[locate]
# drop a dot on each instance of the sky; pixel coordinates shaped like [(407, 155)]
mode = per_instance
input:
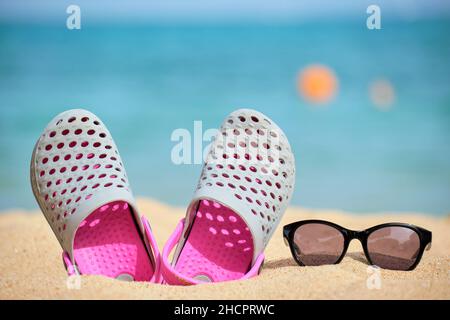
[(216, 10)]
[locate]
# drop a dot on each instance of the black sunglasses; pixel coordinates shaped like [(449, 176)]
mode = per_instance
[(395, 246)]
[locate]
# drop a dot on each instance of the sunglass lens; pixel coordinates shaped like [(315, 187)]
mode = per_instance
[(317, 244), (394, 248)]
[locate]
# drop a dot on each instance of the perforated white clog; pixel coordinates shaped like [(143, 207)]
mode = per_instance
[(244, 190), (80, 184)]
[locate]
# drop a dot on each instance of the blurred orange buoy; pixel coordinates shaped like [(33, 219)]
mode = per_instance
[(382, 94), (317, 83)]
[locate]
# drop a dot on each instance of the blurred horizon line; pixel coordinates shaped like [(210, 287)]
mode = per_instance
[(341, 21)]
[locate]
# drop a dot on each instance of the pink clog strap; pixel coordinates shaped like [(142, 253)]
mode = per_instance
[(153, 250), (172, 277)]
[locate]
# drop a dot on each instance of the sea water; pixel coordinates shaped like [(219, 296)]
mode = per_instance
[(145, 81)]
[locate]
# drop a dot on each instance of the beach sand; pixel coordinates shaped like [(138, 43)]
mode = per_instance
[(31, 266)]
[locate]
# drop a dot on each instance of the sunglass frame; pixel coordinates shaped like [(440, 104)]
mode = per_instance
[(425, 238)]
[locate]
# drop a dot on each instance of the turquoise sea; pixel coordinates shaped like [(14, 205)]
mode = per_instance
[(144, 81)]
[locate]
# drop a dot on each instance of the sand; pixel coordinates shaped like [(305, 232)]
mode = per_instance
[(31, 267)]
